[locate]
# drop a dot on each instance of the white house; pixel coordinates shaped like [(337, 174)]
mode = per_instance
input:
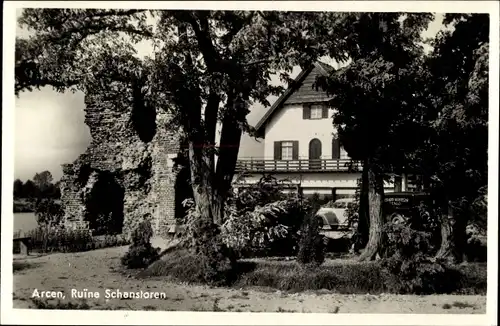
[(300, 144)]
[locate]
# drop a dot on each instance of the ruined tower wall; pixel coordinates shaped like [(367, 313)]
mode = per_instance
[(139, 161)]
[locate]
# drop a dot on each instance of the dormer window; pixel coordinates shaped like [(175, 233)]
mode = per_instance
[(315, 111)]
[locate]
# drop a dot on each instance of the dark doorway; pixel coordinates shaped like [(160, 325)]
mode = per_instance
[(183, 190), (104, 206), (315, 154)]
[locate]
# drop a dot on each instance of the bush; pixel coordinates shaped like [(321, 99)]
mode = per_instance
[(475, 250), (270, 229), (263, 220), (266, 230), (186, 265), (140, 256), (312, 243), (48, 212), (217, 260), (419, 275), (408, 260), (265, 191), (141, 253), (404, 241)]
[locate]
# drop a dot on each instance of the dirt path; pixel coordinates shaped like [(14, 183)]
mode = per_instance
[(96, 271)]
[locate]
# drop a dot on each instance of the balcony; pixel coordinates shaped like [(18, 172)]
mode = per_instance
[(299, 165)]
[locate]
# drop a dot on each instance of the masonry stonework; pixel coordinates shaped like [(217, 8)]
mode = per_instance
[(128, 170)]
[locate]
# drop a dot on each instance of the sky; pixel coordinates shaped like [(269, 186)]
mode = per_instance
[(50, 128)]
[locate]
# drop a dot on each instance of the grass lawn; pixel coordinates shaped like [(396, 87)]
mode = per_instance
[(99, 270)]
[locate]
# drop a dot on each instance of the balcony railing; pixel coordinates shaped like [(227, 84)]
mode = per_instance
[(299, 165)]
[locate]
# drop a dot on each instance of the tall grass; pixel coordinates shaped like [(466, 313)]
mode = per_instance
[(45, 239)]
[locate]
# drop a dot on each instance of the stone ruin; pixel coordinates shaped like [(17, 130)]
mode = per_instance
[(126, 173)]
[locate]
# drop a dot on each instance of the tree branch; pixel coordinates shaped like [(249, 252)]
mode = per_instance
[(189, 97), (42, 83), (122, 12), (27, 76), (240, 25), (210, 55)]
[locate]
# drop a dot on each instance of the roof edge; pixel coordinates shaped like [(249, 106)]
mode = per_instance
[(283, 97), (288, 92)]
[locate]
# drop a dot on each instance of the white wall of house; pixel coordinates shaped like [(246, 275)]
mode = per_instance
[(288, 125)]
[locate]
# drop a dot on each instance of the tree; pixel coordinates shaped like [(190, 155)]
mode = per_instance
[(457, 156), (55, 190), (29, 189), (18, 189), (43, 181), (378, 110), (208, 68)]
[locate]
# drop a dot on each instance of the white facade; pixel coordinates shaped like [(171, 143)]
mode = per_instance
[(288, 124)]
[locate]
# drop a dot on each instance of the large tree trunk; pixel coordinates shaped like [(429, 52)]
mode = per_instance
[(377, 219), (228, 155), (363, 216), (453, 236), (201, 181), (211, 188)]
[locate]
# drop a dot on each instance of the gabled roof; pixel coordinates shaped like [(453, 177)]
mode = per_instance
[(300, 91)]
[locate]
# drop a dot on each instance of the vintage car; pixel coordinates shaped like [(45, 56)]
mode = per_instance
[(334, 215)]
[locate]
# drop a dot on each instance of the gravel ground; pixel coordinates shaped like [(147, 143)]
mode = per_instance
[(98, 271)]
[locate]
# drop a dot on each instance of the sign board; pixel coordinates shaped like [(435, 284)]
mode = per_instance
[(397, 201)]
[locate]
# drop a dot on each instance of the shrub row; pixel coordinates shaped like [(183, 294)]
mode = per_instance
[(60, 239), (346, 277), (361, 278)]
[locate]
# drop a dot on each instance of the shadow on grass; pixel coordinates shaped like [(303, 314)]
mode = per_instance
[(18, 266)]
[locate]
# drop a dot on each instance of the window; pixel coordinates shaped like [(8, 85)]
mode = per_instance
[(316, 111), (287, 150)]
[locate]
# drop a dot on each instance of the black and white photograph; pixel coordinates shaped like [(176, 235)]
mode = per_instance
[(315, 161)]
